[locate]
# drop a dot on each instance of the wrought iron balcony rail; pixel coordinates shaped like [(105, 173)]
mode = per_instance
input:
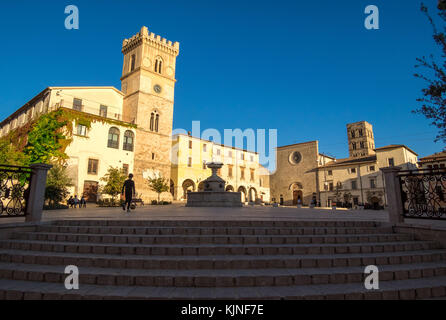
[(14, 190), (423, 193)]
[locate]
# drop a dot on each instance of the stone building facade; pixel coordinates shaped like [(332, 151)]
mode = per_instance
[(433, 161), (296, 178)]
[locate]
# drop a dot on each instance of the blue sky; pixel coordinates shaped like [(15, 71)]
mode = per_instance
[(305, 68)]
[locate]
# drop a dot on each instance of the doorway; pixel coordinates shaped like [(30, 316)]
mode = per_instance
[(91, 191), (297, 197)]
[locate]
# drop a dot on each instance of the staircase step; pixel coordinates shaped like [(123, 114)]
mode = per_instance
[(218, 278), (216, 249), (398, 289), (219, 261), (207, 239), (217, 223), (194, 230)]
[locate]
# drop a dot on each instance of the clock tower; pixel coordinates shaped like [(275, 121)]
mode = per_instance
[(148, 82)]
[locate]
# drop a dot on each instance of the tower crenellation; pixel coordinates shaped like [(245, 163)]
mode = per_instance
[(153, 39)]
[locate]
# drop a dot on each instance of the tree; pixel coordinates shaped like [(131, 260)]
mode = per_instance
[(57, 184), (338, 193), (114, 180), (433, 101), (347, 197), (159, 185)]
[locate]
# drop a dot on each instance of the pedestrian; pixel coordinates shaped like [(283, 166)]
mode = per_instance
[(76, 201), (70, 202), (128, 191), (83, 202)]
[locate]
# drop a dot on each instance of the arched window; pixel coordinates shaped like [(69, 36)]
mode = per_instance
[(154, 121), (157, 120), (129, 137), (113, 138), (158, 65)]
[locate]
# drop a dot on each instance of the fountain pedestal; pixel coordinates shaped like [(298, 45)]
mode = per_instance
[(214, 194)]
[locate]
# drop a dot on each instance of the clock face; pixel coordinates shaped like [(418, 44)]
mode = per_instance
[(157, 88), (295, 157)]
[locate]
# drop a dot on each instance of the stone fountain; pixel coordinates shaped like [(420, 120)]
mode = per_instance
[(214, 194)]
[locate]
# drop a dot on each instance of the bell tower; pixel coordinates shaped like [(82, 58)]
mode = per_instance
[(361, 142), (148, 83)]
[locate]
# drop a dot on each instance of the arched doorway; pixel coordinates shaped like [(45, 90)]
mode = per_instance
[(375, 203), (252, 195), (188, 186), (297, 197), (229, 188), (242, 190)]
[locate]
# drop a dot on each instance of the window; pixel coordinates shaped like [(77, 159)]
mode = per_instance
[(230, 171), (230, 154), (242, 156), (189, 162), (252, 158), (391, 162), (372, 168), (355, 201), (128, 140), (242, 173), (204, 147), (330, 186), (354, 185), (133, 62), (204, 164), (360, 132), (261, 182), (158, 65), (113, 138), (103, 111), (154, 121), (125, 168), (372, 183), (352, 133), (361, 145), (330, 172), (93, 166), (354, 145), (252, 175), (81, 130), (218, 152), (153, 156), (77, 104), (352, 170), (435, 166), (190, 144), (442, 165)]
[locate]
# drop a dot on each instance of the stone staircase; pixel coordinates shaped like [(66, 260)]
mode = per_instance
[(219, 260)]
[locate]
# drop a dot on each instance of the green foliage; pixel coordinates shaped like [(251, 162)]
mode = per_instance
[(114, 180), (159, 185), (10, 155), (45, 140), (57, 184), (433, 100)]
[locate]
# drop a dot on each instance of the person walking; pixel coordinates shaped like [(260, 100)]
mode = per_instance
[(70, 202), (128, 190), (76, 201)]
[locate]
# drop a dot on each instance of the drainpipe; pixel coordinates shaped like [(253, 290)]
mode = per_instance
[(360, 183)]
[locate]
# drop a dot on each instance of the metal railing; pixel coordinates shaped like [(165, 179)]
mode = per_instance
[(423, 193), (14, 190)]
